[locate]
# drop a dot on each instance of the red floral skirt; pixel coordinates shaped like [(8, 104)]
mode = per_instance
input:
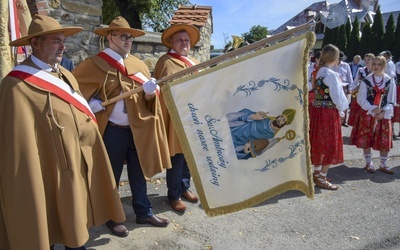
[(370, 134), (326, 136), (311, 97), (355, 110), (396, 110)]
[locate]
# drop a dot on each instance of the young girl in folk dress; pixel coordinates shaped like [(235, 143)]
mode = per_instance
[(376, 96), (396, 114), (325, 122), (362, 72)]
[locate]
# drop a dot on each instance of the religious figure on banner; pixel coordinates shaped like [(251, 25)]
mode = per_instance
[(256, 147), (249, 127)]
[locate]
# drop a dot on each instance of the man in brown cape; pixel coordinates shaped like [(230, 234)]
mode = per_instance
[(55, 177), (132, 128), (178, 39)]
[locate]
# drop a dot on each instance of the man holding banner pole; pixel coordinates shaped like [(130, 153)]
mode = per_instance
[(55, 176), (132, 128), (178, 39)]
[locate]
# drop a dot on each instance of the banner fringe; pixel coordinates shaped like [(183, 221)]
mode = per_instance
[(309, 45), (280, 189)]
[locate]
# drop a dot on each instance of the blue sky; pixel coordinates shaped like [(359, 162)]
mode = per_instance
[(235, 17)]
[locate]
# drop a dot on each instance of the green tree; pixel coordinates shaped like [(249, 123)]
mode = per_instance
[(377, 32), (365, 41), (388, 37), (150, 13), (255, 33), (396, 40), (342, 38), (334, 36), (327, 37), (348, 30), (354, 41)]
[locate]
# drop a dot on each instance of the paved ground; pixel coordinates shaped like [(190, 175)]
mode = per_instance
[(363, 214)]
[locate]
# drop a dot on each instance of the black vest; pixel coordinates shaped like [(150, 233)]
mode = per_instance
[(371, 93), (322, 95)]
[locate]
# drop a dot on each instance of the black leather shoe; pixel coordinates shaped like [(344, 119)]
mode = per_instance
[(117, 228), (153, 220)]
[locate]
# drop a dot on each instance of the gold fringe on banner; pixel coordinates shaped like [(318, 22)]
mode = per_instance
[(310, 44), (308, 190)]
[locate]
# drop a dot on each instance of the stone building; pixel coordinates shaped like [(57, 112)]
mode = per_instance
[(88, 15)]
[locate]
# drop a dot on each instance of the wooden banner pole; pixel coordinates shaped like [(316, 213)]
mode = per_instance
[(254, 46)]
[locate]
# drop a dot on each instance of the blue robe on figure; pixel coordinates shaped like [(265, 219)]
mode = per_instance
[(243, 130)]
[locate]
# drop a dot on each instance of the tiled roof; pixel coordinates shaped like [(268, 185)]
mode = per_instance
[(194, 15)]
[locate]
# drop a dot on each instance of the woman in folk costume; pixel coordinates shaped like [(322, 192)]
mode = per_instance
[(376, 96), (312, 78), (179, 39), (56, 179), (396, 112), (362, 72), (132, 128), (325, 118)]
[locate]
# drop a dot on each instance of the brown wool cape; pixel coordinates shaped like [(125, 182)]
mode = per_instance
[(54, 184), (168, 65), (99, 79)]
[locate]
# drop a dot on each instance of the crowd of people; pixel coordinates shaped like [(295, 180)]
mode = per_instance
[(362, 94)]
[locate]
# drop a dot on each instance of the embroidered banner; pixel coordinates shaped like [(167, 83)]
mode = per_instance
[(243, 126)]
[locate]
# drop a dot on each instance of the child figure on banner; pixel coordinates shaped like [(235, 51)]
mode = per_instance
[(362, 72), (325, 118), (376, 96)]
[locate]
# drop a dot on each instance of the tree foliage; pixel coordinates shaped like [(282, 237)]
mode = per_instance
[(154, 14), (255, 33), (354, 41), (396, 40), (342, 38), (377, 32), (348, 29), (365, 42), (334, 34), (327, 37), (388, 37), (373, 39)]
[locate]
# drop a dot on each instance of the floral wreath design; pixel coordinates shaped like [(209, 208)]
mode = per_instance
[(275, 162), (251, 87), (286, 86)]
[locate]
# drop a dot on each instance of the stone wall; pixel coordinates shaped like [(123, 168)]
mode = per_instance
[(88, 15)]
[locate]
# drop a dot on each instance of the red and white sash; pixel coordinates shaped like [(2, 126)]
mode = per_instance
[(184, 59), (52, 84), (117, 62)]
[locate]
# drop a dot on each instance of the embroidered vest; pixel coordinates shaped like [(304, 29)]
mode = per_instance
[(371, 92), (322, 96)]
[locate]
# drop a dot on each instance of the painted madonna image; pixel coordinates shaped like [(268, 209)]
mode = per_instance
[(254, 132)]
